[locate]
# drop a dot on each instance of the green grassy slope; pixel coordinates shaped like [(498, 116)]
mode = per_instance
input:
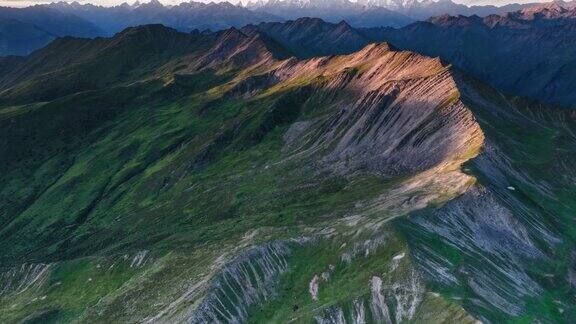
[(166, 197)]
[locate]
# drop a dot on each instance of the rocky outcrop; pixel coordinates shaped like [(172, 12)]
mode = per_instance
[(248, 280), (21, 278), (486, 232), (395, 301)]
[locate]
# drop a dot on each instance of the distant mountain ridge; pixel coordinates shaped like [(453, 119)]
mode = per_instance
[(88, 20), (529, 52), (23, 30), (185, 17), (18, 38), (53, 21), (308, 37), (334, 10)]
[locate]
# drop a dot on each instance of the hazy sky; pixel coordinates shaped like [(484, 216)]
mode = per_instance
[(23, 3)]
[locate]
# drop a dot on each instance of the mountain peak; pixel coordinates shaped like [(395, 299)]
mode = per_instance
[(308, 37), (230, 35), (152, 4), (343, 23), (234, 48), (374, 49), (547, 10)]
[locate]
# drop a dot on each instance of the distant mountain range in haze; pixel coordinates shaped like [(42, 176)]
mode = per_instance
[(23, 30), (396, 11), (183, 17)]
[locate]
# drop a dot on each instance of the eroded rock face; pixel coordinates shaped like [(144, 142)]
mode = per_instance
[(385, 112), (485, 231), (21, 278), (494, 247), (378, 305), (394, 301), (395, 114), (248, 280)]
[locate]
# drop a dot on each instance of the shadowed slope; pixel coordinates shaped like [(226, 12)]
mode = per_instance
[(307, 37), (135, 54), (18, 38)]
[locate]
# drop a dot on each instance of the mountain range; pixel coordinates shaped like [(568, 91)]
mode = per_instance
[(40, 24), (185, 17), (333, 11), (527, 52), (242, 176), (401, 10), (23, 30)]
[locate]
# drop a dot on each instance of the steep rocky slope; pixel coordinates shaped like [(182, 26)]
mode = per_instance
[(218, 179)]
